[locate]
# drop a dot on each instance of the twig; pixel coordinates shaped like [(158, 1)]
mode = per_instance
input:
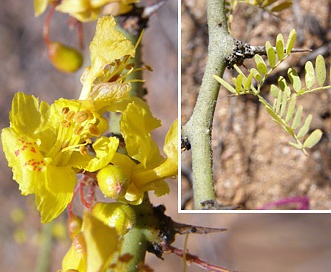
[(244, 51)]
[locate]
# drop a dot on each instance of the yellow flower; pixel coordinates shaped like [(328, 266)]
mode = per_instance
[(110, 53), (89, 10), (47, 145), (149, 174)]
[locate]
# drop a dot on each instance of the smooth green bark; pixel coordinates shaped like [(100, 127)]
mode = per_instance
[(198, 129)]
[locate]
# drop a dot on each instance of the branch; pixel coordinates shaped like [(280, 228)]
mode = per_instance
[(198, 129)]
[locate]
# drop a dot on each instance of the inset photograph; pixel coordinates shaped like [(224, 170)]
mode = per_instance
[(255, 105)]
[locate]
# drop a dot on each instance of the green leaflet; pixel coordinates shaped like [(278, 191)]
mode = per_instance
[(260, 64), (266, 3), (270, 54), (313, 138), (305, 128), (238, 84), (309, 74), (290, 41), (282, 83), (286, 95), (280, 46), (282, 6), (295, 79), (256, 74), (291, 108), (225, 84), (297, 118), (274, 90), (320, 70)]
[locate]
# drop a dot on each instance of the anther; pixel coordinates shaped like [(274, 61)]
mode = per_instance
[(81, 116)]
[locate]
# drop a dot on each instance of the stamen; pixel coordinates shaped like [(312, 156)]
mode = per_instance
[(83, 150), (93, 130)]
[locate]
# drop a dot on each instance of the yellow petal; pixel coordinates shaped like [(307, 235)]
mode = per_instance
[(55, 192), (39, 6), (136, 125), (24, 158), (107, 45), (105, 149), (76, 256), (27, 115), (101, 242)]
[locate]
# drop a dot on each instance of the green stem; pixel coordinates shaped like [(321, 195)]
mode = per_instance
[(135, 241), (199, 128), (43, 262)]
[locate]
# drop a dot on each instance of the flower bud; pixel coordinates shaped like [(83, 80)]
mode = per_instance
[(112, 181), (64, 58), (116, 215), (74, 226)]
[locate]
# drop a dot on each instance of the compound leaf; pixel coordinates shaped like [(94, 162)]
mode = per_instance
[(320, 70), (313, 138)]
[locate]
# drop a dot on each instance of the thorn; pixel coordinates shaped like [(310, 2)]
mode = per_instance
[(150, 10)]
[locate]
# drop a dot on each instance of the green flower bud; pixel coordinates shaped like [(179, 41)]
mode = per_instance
[(64, 58), (116, 215), (112, 181)]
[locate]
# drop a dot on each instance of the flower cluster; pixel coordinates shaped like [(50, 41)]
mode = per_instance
[(47, 145)]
